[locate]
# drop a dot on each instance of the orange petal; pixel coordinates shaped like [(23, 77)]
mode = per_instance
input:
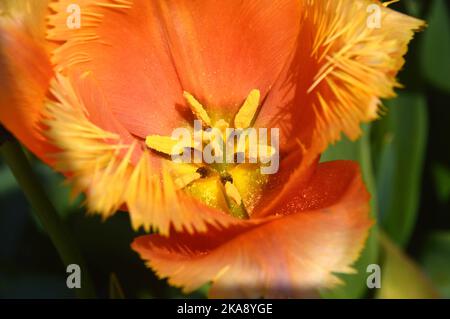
[(310, 187), (339, 72), (30, 14), (295, 171), (97, 103), (289, 255), (122, 45), (225, 48), (25, 73)]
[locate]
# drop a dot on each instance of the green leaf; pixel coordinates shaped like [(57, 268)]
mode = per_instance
[(58, 190), (355, 285), (58, 231), (401, 138), (414, 7), (7, 181), (436, 261), (401, 278), (441, 176), (435, 47)]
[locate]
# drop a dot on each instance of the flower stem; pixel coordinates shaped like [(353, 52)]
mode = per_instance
[(57, 230)]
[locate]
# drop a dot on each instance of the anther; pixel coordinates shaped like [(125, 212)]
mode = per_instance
[(203, 171), (226, 177)]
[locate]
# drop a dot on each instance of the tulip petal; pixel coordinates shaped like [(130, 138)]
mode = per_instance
[(288, 255), (121, 43), (25, 73), (223, 49), (295, 172), (341, 68), (30, 14)]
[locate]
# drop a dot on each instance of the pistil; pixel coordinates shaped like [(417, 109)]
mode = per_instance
[(168, 146)]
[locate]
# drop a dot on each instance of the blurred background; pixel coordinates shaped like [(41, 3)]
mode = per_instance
[(405, 158)]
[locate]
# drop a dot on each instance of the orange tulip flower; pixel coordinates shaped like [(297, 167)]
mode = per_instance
[(95, 89)]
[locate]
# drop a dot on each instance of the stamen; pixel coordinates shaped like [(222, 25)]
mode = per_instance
[(195, 179), (185, 180), (390, 2), (225, 177), (247, 112), (233, 193), (203, 171), (164, 144), (197, 108), (222, 125)]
